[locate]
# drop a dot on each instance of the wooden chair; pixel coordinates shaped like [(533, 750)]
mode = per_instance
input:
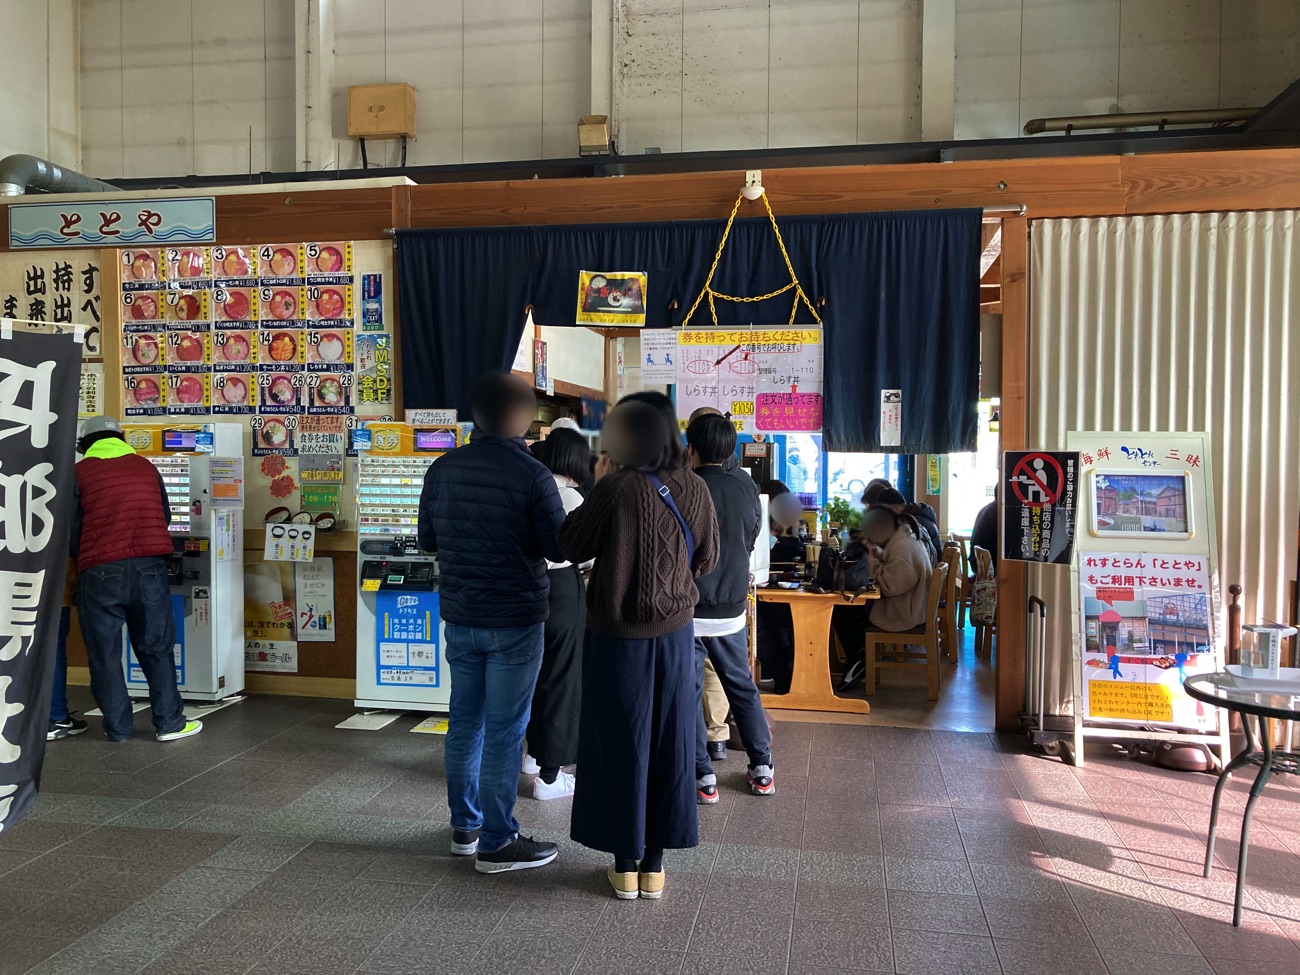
[(964, 581), (926, 637), (986, 628), (949, 637)]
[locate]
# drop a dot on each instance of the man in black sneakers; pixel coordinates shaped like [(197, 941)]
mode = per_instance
[(720, 618), (491, 510)]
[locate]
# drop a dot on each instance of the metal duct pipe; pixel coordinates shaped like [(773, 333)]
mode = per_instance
[(21, 174), (1131, 120)]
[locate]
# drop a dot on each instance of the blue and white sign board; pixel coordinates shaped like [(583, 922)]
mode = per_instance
[(406, 639), (114, 222)]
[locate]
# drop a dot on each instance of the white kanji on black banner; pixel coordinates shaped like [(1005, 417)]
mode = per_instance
[(38, 433)]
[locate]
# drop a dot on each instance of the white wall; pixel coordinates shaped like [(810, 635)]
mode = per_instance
[(38, 114), (508, 79), (173, 87), (1023, 59), (696, 75), (494, 79)]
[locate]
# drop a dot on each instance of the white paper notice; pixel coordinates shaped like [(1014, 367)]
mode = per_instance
[(891, 417), (431, 418), (314, 583), (289, 543), (658, 356)]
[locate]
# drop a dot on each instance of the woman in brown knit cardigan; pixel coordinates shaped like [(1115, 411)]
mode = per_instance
[(649, 524)]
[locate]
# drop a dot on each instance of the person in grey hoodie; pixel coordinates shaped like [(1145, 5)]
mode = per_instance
[(900, 568)]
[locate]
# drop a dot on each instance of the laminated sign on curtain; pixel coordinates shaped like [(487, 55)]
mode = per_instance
[(1040, 493), (38, 432), (611, 298), (768, 379)]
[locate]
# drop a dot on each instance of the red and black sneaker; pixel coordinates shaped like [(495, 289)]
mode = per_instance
[(706, 790), (762, 780)]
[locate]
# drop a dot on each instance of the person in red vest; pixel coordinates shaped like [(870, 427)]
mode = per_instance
[(121, 544)]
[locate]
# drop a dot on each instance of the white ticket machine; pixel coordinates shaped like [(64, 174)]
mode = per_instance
[(401, 664), (202, 467)]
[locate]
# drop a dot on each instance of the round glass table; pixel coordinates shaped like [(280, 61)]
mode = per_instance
[(1226, 691)]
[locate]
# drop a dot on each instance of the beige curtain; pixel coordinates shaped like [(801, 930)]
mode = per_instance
[(1186, 322)]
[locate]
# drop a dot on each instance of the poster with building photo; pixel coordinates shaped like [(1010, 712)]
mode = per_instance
[(1146, 627), (38, 432)]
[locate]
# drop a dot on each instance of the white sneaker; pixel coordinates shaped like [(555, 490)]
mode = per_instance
[(561, 787), (530, 765)]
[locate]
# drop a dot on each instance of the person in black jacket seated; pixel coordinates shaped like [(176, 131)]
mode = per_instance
[(491, 511), (985, 533), (720, 617)]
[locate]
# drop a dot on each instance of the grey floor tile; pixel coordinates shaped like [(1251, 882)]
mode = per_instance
[(601, 960), (848, 871), (1258, 938), (744, 895), (763, 935), (162, 813), (553, 956), (841, 944), (173, 963), (404, 868), (19, 954), (325, 945), (40, 837), (128, 843), (13, 859), (256, 852), (1052, 922), (1156, 931), (87, 810), (752, 861), (928, 876), (835, 902), (726, 960), (946, 913), (1030, 884), (910, 784), (932, 953), (1148, 963), (1037, 958), (84, 956)]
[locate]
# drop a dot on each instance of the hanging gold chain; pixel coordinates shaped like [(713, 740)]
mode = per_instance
[(794, 285)]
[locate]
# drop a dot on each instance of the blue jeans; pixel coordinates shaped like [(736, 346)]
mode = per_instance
[(59, 699), (730, 656), (134, 593), (493, 674)]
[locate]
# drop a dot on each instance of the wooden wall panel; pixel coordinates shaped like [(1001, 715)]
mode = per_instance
[(325, 214), (1261, 179), (1009, 686), (1048, 187)]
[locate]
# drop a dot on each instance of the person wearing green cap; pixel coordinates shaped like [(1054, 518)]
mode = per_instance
[(121, 544)]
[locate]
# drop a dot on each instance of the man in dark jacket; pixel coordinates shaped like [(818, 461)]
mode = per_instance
[(490, 510), (121, 544), (720, 617)]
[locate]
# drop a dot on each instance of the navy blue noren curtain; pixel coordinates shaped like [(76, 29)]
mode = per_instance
[(900, 290)]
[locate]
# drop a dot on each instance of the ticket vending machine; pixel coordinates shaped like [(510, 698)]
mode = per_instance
[(202, 468), (400, 657)]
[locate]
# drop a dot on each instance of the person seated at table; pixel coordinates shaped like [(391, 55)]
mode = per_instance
[(985, 533), (775, 625), (922, 514), (900, 568)]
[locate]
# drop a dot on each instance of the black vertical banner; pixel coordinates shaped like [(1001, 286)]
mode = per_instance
[(38, 432)]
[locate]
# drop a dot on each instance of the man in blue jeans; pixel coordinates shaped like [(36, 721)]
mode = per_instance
[(121, 543), (491, 510), (721, 633)]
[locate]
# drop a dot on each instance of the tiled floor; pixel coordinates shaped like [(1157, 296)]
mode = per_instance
[(273, 843)]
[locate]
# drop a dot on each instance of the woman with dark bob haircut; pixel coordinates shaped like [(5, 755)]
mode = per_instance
[(553, 726), (649, 524)]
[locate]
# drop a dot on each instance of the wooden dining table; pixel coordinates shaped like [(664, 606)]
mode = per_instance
[(811, 688)]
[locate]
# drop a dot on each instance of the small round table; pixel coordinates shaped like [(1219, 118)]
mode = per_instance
[(1225, 691)]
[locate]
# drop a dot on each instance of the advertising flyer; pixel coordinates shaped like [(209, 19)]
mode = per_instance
[(315, 601), (1146, 619)]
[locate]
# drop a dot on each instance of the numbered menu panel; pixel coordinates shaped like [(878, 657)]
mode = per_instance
[(262, 331), (389, 494)]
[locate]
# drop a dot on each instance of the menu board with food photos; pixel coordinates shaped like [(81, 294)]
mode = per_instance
[(262, 332)]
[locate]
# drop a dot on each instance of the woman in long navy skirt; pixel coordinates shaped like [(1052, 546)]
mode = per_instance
[(649, 524)]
